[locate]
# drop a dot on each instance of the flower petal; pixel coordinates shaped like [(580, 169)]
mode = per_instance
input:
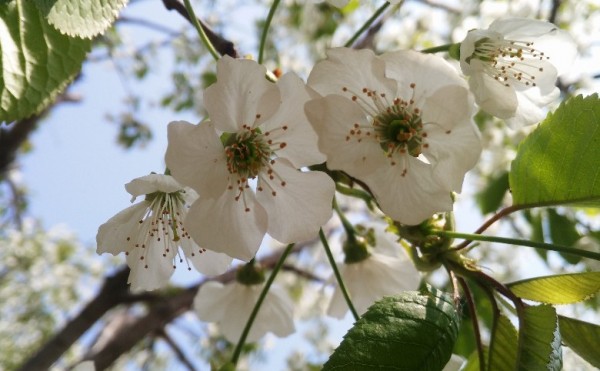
[(152, 183), (223, 225), (348, 71), (299, 208), (211, 299), (492, 96), (205, 261), (196, 158), (275, 315), (333, 118), (112, 236), (299, 136), (150, 270), (411, 198), (241, 96)]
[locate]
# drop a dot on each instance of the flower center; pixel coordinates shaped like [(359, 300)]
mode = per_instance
[(508, 61), (399, 130), (247, 152)]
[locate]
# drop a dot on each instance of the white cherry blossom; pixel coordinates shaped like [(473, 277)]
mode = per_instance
[(244, 163), (513, 66), (230, 306), (378, 274), (150, 233), (400, 122)]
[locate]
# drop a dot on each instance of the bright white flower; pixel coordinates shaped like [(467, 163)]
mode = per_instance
[(151, 231), (230, 307), (513, 66), (267, 138), (375, 276), (400, 122)]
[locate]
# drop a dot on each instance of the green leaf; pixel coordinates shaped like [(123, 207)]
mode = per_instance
[(37, 61), (411, 331), (558, 162), (539, 340), (490, 198), (582, 338), (563, 232), (84, 19), (558, 289), (503, 346)]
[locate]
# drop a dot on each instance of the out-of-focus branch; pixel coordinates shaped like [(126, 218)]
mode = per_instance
[(182, 358), (222, 45), (554, 11), (115, 287)]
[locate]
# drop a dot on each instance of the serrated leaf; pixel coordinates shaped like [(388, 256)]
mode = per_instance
[(539, 340), (490, 198), (411, 331), (503, 346), (472, 363), (77, 18), (558, 289), (37, 61), (558, 162), (582, 337)]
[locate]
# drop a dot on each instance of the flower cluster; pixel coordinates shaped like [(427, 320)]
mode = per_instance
[(399, 124)]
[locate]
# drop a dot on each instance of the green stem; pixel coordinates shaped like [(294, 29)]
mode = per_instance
[(353, 192), (337, 274), (200, 30), (238, 349), (265, 31), (514, 241), (367, 24), (499, 215), (345, 222), (437, 49)]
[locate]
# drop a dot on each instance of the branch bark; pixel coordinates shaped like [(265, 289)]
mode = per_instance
[(222, 45)]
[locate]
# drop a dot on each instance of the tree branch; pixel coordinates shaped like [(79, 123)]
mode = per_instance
[(222, 45), (115, 287)]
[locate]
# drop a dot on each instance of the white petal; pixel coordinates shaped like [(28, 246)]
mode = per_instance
[(275, 315), (333, 117), (205, 261), (223, 224), (522, 29), (211, 300), (152, 183), (492, 96), (300, 138), (427, 71), (454, 143), (196, 157), (298, 209), (154, 270), (454, 364), (112, 235), (531, 107), (412, 198), (350, 69), (240, 94)]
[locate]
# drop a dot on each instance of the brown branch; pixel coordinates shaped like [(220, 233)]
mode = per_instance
[(182, 357), (115, 287), (222, 45), (554, 11)]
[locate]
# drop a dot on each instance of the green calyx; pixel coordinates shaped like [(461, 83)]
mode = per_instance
[(356, 249), (250, 274)]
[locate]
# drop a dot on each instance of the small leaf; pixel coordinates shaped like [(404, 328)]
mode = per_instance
[(411, 331), (490, 198), (582, 338), (503, 346), (84, 19), (37, 61), (558, 289), (539, 340), (558, 162)]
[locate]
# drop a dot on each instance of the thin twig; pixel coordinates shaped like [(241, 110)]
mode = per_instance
[(182, 357), (473, 312)]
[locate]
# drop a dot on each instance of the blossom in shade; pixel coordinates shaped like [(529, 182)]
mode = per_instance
[(151, 232), (245, 162), (230, 306), (400, 122), (370, 273), (513, 66)]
